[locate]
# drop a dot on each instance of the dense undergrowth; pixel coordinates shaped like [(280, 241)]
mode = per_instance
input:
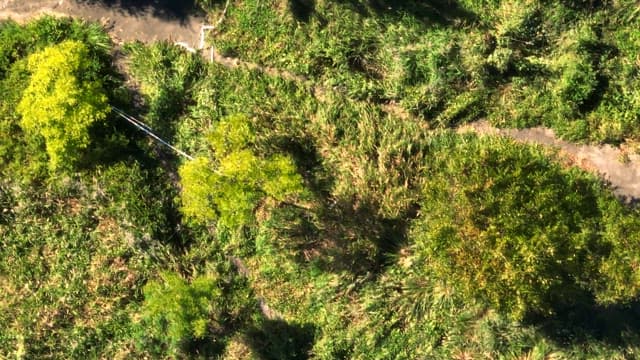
[(367, 233), (570, 65)]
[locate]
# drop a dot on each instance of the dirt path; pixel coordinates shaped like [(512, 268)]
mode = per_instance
[(136, 20), (620, 168)]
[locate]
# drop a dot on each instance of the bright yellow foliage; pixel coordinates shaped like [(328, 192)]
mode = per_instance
[(228, 187), (59, 104), (233, 132), (197, 180)]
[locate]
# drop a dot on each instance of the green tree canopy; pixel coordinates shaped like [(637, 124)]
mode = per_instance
[(503, 223), (228, 185), (62, 101)]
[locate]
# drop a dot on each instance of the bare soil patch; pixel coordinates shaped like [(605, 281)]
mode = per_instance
[(126, 20), (618, 167)]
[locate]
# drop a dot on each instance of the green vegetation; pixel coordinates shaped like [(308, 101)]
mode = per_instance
[(228, 188), (59, 105), (506, 225), (180, 315), (166, 74), (568, 65), (337, 217)]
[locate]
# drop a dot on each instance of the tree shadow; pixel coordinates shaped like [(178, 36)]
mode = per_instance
[(337, 234), (279, 340), (630, 201), (114, 140), (308, 161), (302, 10), (585, 5), (436, 12), (340, 237), (586, 321), (163, 9)]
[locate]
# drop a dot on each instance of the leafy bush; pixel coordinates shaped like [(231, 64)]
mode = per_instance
[(618, 114), (577, 82), (432, 74), (228, 185), (50, 30), (13, 40), (62, 101), (413, 245), (18, 41), (193, 316), (178, 312), (21, 157), (501, 223)]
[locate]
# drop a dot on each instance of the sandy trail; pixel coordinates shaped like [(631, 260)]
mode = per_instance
[(613, 164), (148, 24), (144, 22)]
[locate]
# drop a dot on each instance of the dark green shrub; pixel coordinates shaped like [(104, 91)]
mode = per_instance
[(431, 74), (617, 115), (13, 41), (577, 82), (20, 40), (517, 34), (501, 223)]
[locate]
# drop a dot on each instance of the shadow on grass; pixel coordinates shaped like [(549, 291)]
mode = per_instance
[(302, 10), (164, 9), (114, 140), (165, 101), (437, 12), (614, 325), (339, 237), (279, 340), (336, 235)]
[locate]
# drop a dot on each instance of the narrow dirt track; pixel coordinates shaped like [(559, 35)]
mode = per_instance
[(143, 22), (620, 168)]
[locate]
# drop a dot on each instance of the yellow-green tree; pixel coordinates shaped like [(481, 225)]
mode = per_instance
[(227, 186), (177, 311), (62, 101)]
